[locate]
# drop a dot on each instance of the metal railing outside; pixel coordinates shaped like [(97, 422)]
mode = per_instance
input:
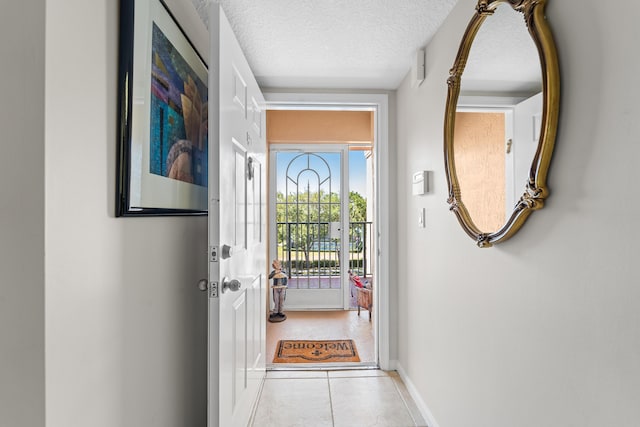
[(307, 250)]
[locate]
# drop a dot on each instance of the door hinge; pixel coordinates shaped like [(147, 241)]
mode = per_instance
[(213, 290)]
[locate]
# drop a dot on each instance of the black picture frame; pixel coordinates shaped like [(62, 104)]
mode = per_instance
[(162, 159)]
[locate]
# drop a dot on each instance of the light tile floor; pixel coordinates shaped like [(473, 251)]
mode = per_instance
[(358, 398)]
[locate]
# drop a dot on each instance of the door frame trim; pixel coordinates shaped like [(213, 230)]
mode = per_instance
[(379, 104)]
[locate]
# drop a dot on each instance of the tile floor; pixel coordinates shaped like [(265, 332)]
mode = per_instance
[(357, 398)]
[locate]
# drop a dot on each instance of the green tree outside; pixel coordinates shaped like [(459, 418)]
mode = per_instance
[(305, 217)]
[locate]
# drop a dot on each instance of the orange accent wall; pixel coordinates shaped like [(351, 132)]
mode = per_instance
[(313, 127), (480, 166)]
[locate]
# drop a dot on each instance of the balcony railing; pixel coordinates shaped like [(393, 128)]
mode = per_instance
[(307, 250)]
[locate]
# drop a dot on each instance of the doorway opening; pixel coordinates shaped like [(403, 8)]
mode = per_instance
[(322, 227), (505, 139)]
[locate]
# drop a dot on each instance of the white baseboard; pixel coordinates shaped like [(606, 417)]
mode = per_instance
[(393, 365), (413, 391)]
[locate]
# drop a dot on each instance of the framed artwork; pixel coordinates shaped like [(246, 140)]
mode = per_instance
[(163, 96)]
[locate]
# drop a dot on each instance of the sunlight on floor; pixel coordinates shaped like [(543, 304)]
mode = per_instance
[(361, 398), (324, 325)]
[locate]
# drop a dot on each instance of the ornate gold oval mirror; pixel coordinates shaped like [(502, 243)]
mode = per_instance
[(501, 118)]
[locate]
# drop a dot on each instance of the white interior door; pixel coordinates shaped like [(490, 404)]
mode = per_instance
[(526, 132), (237, 251)]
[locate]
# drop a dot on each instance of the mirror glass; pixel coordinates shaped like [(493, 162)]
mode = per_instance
[(497, 123)]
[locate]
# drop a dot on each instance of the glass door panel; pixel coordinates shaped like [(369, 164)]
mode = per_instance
[(309, 217)]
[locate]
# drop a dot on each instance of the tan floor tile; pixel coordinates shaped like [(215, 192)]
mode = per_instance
[(358, 373), (296, 374), (408, 400), (294, 403), (368, 402)]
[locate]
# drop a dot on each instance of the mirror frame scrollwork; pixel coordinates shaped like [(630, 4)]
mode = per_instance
[(536, 190)]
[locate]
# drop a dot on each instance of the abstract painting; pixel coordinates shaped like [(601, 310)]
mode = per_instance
[(178, 115), (163, 115)]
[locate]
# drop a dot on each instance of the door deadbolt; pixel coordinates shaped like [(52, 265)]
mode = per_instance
[(226, 252)]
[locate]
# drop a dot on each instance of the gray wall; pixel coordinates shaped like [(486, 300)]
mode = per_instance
[(545, 328), (125, 335), (126, 325), (22, 214)]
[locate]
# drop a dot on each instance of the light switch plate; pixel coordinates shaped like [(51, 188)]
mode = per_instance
[(420, 183), (421, 218)]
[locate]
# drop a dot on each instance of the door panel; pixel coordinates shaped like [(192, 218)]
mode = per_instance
[(238, 342), (256, 117), (239, 91), (255, 203), (254, 352), (239, 185), (239, 317), (237, 314)]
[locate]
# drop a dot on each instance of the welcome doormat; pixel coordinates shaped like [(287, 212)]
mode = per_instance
[(305, 351)]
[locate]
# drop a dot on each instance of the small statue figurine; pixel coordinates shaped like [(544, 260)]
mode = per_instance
[(279, 287)]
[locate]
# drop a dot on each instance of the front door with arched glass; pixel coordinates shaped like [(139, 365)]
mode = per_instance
[(309, 223)]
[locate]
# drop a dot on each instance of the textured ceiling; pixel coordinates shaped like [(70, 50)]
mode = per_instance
[(503, 58), (354, 44)]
